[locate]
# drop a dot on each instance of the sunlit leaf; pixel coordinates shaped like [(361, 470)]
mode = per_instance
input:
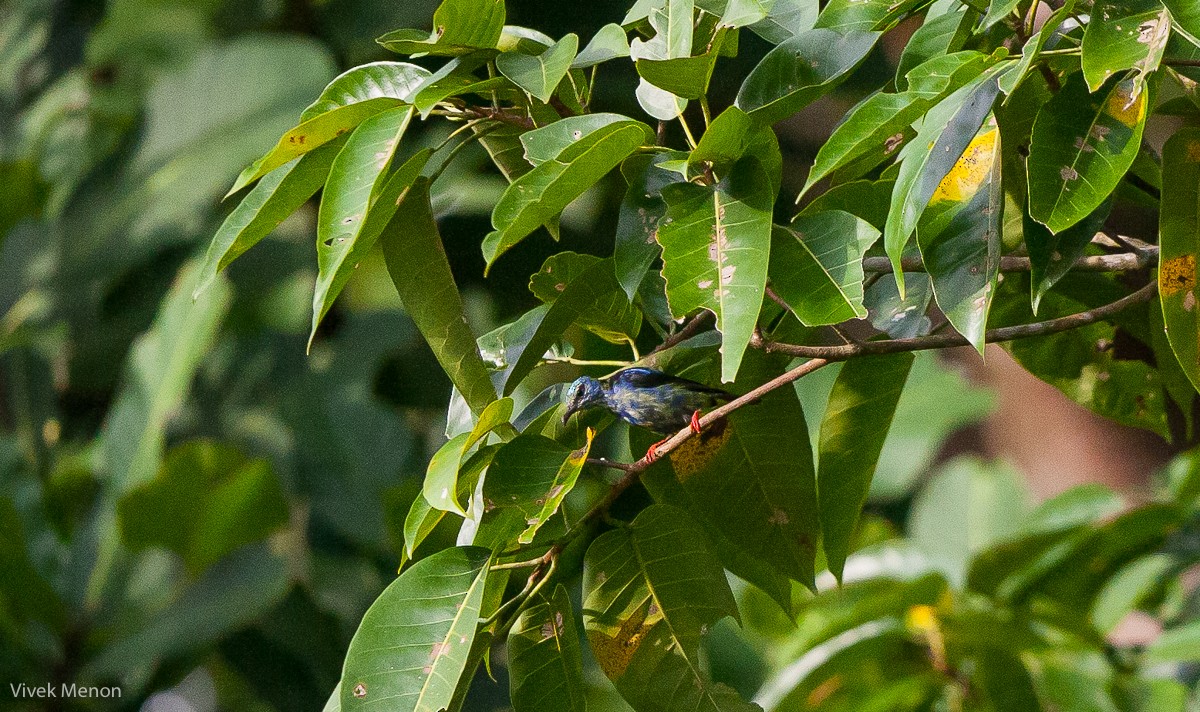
[(609, 42), (1179, 236), (459, 27), (672, 23), (413, 642), (816, 266), (539, 74), (1124, 34), (544, 659)]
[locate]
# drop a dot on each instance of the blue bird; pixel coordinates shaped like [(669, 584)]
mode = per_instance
[(646, 398)]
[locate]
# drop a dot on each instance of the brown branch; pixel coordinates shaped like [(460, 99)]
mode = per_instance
[(502, 115), (1120, 262), (690, 329), (942, 341), (1181, 62)]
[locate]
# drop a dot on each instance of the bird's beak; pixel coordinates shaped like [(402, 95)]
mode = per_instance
[(568, 413)]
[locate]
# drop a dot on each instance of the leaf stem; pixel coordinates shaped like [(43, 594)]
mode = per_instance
[(705, 110), (687, 132), (585, 362), (1122, 262)]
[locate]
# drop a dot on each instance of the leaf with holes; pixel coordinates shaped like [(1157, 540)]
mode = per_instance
[(350, 99), (354, 184), (545, 662), (816, 266), (716, 242), (1121, 35), (413, 642), (650, 592), (1082, 146)]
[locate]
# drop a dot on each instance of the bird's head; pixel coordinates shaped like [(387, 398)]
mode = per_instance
[(584, 393)]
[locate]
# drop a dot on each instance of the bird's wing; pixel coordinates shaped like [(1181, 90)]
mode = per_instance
[(638, 377)]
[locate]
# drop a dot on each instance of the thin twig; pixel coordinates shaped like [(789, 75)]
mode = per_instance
[(942, 341), (1010, 263), (689, 330)]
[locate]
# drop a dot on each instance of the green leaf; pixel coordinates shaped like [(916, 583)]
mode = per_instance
[(761, 460), (347, 101), (877, 127), (900, 317), (418, 266), (856, 423), (459, 27), (801, 70), (207, 500), (944, 136), (862, 14), (1179, 237), (27, 594), (937, 38), (716, 243), (1003, 681), (1177, 645), (1015, 76), (455, 78), (1121, 35), (1186, 17), (564, 482), (816, 266), (959, 236), (1051, 256), (612, 318), (1082, 145), (684, 77), (352, 189), (672, 23), (519, 484), (786, 19), (637, 222), (423, 518), (277, 196), (867, 199), (545, 662), (158, 376), (997, 11), (539, 74), (650, 592), (541, 194), (1127, 590), (726, 140), (546, 143), (441, 488), (414, 640), (609, 42)]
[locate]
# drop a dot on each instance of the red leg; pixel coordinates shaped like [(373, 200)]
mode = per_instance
[(652, 453), (695, 422)]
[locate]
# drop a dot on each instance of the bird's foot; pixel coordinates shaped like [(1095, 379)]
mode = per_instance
[(694, 424), (652, 453)]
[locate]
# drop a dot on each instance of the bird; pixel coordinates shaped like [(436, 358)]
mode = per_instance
[(646, 398)]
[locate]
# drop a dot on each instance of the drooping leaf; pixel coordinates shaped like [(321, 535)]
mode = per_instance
[(716, 243), (944, 136), (786, 19), (672, 23), (762, 460), (856, 423), (1051, 256), (609, 42), (726, 140), (423, 518), (418, 266), (413, 642), (684, 77), (158, 376), (355, 182), (520, 482), (544, 659), (1179, 237), (1121, 35), (350, 99), (801, 70), (816, 266), (937, 37), (959, 235), (1031, 52), (277, 196), (539, 74), (997, 11), (541, 194), (455, 78), (650, 593), (1082, 145), (459, 27)]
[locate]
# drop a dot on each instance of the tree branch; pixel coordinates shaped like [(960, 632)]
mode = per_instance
[(1121, 262), (941, 341)]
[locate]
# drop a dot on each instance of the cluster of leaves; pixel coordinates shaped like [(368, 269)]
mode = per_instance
[(1001, 132)]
